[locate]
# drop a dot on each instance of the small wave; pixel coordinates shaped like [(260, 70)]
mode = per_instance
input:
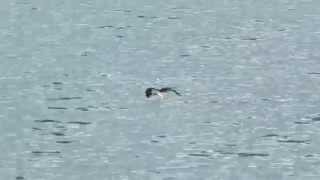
[(244, 154), (173, 17), (57, 83), (317, 118), (64, 142), (36, 129), (45, 152), (271, 135), (295, 141), (154, 141), (225, 152), (250, 38), (79, 122), (199, 155), (314, 73), (58, 134), (122, 10), (47, 121), (57, 108), (302, 122), (82, 109), (185, 55), (64, 98), (105, 26), (162, 136)]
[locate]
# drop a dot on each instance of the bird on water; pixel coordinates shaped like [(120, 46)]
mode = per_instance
[(160, 92)]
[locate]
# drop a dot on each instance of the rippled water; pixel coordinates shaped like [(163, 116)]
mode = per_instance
[(73, 75)]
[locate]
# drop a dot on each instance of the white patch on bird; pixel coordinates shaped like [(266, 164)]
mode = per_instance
[(160, 94)]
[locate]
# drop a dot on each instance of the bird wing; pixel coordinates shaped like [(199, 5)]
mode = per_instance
[(166, 89)]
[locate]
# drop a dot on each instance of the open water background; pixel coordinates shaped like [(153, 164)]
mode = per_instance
[(73, 75)]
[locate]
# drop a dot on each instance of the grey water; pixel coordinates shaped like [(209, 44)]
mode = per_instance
[(73, 75)]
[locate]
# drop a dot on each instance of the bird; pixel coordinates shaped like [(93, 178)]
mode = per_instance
[(160, 92)]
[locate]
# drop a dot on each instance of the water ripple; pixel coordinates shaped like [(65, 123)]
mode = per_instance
[(82, 109), (295, 141), (47, 121), (57, 108), (58, 134), (316, 118), (199, 154), (105, 26), (45, 152), (79, 122), (245, 154), (271, 135), (57, 83), (302, 122), (64, 142), (64, 98)]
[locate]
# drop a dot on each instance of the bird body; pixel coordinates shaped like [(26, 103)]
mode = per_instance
[(160, 92)]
